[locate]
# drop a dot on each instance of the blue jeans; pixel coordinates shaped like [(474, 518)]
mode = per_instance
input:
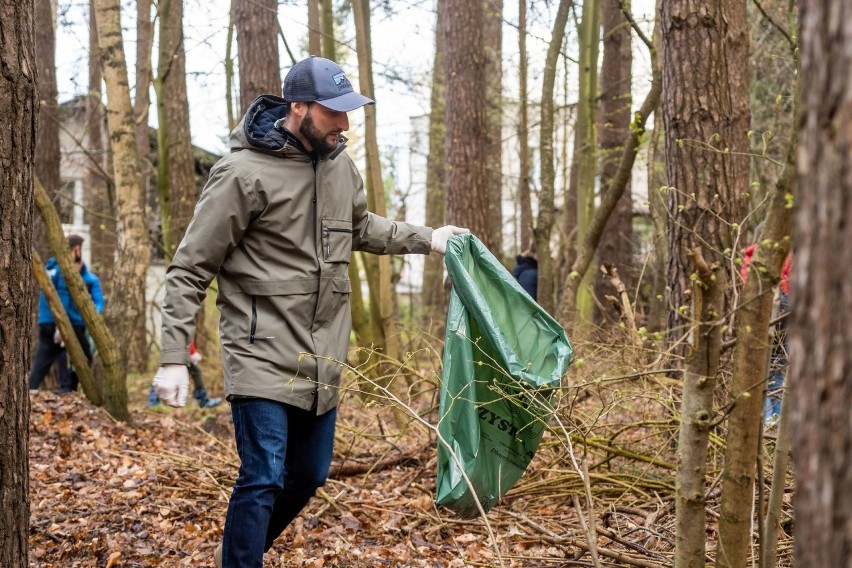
[(285, 454)]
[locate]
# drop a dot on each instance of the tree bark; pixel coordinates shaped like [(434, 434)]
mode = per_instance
[(586, 146), (586, 253), (328, 44), (524, 198), (126, 318), (97, 185), (257, 21), (434, 296), (385, 335), (19, 109), (616, 244), (705, 112), (819, 334), (314, 28), (47, 153), (63, 324), (142, 102), (107, 350), (492, 11), (468, 196), (176, 164), (749, 372), (545, 220)]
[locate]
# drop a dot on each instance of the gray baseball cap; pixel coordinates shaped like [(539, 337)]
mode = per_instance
[(320, 80)]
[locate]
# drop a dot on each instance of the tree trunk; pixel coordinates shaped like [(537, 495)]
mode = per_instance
[(378, 268), (328, 44), (97, 184), (820, 334), (176, 164), (493, 37), (621, 177), (705, 112), (544, 223), (126, 318), (47, 154), (749, 372), (63, 324), (142, 102), (434, 296), (257, 21), (233, 119), (468, 197), (586, 145), (105, 343), (19, 108), (524, 198), (616, 244), (314, 28)]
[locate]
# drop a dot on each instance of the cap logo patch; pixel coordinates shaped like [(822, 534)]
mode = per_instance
[(342, 82)]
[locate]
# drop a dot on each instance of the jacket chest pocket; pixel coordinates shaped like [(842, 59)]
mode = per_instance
[(336, 240)]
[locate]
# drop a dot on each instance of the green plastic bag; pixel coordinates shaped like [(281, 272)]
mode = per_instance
[(503, 356)]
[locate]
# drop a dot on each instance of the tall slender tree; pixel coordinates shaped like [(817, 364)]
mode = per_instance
[(546, 197), (19, 108), (175, 164), (314, 28), (492, 11), (257, 42), (378, 268), (436, 199), (586, 143), (616, 246), (706, 118), (126, 318), (468, 197), (97, 182), (47, 134), (820, 335), (524, 182)]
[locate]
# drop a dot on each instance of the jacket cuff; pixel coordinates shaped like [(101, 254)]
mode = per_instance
[(174, 357)]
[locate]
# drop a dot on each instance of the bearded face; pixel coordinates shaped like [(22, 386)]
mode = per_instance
[(318, 139)]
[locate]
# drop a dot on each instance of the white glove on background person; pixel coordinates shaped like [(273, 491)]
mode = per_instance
[(195, 357), (442, 235), (171, 383), (57, 336)]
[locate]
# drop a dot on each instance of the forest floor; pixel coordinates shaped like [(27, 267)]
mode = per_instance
[(154, 492)]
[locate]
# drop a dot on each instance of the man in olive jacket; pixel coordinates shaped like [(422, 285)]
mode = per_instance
[(275, 225)]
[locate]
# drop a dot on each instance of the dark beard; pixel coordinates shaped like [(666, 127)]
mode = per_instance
[(315, 137)]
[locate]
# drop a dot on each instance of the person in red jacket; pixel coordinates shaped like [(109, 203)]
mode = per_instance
[(778, 361)]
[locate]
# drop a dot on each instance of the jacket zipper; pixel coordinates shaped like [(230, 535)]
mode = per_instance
[(330, 230), (253, 329)]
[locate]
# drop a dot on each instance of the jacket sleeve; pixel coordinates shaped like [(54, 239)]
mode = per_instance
[(222, 214), (375, 234), (94, 285)]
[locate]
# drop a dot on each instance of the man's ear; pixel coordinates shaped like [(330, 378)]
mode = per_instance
[(299, 108)]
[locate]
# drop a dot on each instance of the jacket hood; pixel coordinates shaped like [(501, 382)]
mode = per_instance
[(261, 129), (526, 261)]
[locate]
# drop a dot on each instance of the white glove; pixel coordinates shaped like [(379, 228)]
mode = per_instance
[(171, 383), (442, 235), (195, 357), (57, 336)]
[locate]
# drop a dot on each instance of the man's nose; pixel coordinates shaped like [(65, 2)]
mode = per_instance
[(343, 121)]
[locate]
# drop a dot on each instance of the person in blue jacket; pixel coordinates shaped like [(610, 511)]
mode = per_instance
[(526, 272), (50, 344)]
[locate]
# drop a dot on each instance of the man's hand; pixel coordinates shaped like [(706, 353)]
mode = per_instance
[(57, 337), (442, 235), (171, 383)]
